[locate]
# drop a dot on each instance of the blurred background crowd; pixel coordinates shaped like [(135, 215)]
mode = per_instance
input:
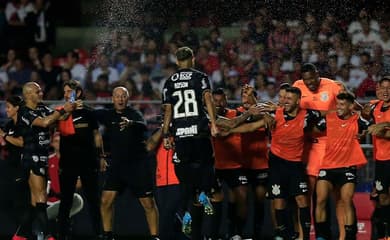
[(260, 43)]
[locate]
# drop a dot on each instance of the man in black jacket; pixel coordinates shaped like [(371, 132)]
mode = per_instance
[(126, 129), (79, 149)]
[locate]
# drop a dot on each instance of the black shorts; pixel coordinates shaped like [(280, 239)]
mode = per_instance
[(257, 177), (382, 177), (194, 150), (233, 177), (137, 176), (286, 178), (199, 177), (36, 164), (338, 176)]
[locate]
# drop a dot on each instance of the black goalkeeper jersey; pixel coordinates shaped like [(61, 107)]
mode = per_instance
[(184, 91)]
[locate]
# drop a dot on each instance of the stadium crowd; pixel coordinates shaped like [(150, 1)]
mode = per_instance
[(146, 63), (265, 53)]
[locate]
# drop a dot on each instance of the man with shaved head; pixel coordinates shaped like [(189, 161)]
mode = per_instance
[(130, 166), (35, 120)]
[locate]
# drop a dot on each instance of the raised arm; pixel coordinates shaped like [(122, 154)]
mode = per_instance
[(52, 118), (249, 127), (229, 123), (211, 112)]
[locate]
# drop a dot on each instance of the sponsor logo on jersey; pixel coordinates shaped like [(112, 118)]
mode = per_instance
[(187, 131), (185, 75), (179, 85)]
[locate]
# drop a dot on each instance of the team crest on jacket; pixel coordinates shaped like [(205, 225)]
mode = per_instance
[(275, 189), (324, 96), (378, 185)]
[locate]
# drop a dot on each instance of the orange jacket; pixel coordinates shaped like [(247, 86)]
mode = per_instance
[(254, 147), (288, 136), (381, 145), (165, 170), (227, 150), (342, 148)]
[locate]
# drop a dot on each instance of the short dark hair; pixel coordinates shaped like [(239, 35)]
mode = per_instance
[(15, 100), (218, 91), (384, 78), (284, 86), (75, 85), (254, 92), (349, 97), (184, 53), (295, 91), (74, 54), (308, 67), (102, 76)]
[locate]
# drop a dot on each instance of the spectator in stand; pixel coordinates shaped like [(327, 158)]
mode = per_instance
[(124, 45), (281, 39), (272, 93), (368, 86), (310, 54), (245, 46), (385, 46), (258, 30), (50, 77), (343, 76), (9, 66), (332, 67), (145, 86), (208, 61), (21, 75), (232, 84), (101, 88), (34, 61), (356, 26), (152, 63), (104, 67), (259, 83), (17, 32), (64, 76), (168, 71), (274, 74), (188, 37), (40, 24), (311, 23), (216, 40), (79, 72), (367, 39)]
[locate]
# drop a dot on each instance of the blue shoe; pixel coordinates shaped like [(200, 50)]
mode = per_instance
[(320, 238), (205, 201), (186, 224)]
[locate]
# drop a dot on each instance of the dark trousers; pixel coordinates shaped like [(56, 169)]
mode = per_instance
[(168, 202), (90, 184)]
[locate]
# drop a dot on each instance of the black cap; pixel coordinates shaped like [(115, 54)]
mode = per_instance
[(184, 53)]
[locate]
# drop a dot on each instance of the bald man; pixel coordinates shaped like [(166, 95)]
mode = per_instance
[(35, 120), (130, 166)]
